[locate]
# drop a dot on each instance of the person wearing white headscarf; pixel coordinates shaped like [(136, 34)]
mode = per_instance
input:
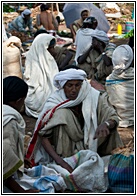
[(85, 34), (75, 117), (21, 22), (40, 69), (120, 85), (97, 60)]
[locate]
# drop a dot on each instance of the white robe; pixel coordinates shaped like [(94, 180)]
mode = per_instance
[(40, 69)]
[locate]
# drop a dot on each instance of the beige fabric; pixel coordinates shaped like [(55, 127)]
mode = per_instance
[(121, 95), (11, 57), (40, 68), (13, 141)]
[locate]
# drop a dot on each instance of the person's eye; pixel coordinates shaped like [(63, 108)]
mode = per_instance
[(78, 85), (69, 85)]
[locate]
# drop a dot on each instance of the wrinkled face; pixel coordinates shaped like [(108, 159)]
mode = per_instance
[(84, 15), (72, 88)]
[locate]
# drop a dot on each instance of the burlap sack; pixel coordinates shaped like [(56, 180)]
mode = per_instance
[(12, 57)]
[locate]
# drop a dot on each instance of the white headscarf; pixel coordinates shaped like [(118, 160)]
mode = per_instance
[(102, 36), (70, 74), (122, 58), (25, 12)]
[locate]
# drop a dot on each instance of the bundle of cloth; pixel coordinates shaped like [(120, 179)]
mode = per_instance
[(88, 175), (120, 85)]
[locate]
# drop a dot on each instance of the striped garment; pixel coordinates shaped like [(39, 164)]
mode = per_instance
[(121, 173)]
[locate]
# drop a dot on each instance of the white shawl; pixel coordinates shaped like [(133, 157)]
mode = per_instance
[(84, 39), (13, 141), (89, 98), (40, 69)]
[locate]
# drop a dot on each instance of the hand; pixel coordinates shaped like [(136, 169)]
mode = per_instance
[(102, 131), (27, 163)]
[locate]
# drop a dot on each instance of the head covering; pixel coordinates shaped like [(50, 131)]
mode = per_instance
[(122, 57), (101, 35), (39, 31), (14, 88), (90, 20), (70, 74), (25, 12), (84, 11)]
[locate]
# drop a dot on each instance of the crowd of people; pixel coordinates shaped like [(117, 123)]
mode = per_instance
[(73, 116)]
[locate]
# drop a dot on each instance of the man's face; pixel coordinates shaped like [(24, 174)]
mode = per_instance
[(72, 88)]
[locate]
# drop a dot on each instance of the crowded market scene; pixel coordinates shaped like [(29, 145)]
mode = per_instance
[(68, 97)]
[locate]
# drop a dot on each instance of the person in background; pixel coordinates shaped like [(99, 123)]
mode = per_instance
[(46, 18), (84, 36), (75, 117), (97, 60), (120, 85), (78, 23), (21, 22), (63, 56), (14, 93), (40, 68)]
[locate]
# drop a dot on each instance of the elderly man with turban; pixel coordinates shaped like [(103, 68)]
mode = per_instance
[(21, 22), (96, 61), (75, 117), (120, 85)]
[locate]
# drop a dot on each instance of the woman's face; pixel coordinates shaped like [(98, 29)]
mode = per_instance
[(72, 88), (84, 15)]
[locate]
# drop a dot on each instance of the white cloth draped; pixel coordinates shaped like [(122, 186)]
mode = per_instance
[(120, 88), (89, 113), (40, 69), (70, 74), (84, 39), (122, 58), (13, 141)]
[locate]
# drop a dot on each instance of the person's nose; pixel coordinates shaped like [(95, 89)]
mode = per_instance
[(73, 88)]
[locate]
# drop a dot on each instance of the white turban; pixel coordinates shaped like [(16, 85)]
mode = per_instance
[(122, 58), (101, 35), (25, 12), (69, 74)]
